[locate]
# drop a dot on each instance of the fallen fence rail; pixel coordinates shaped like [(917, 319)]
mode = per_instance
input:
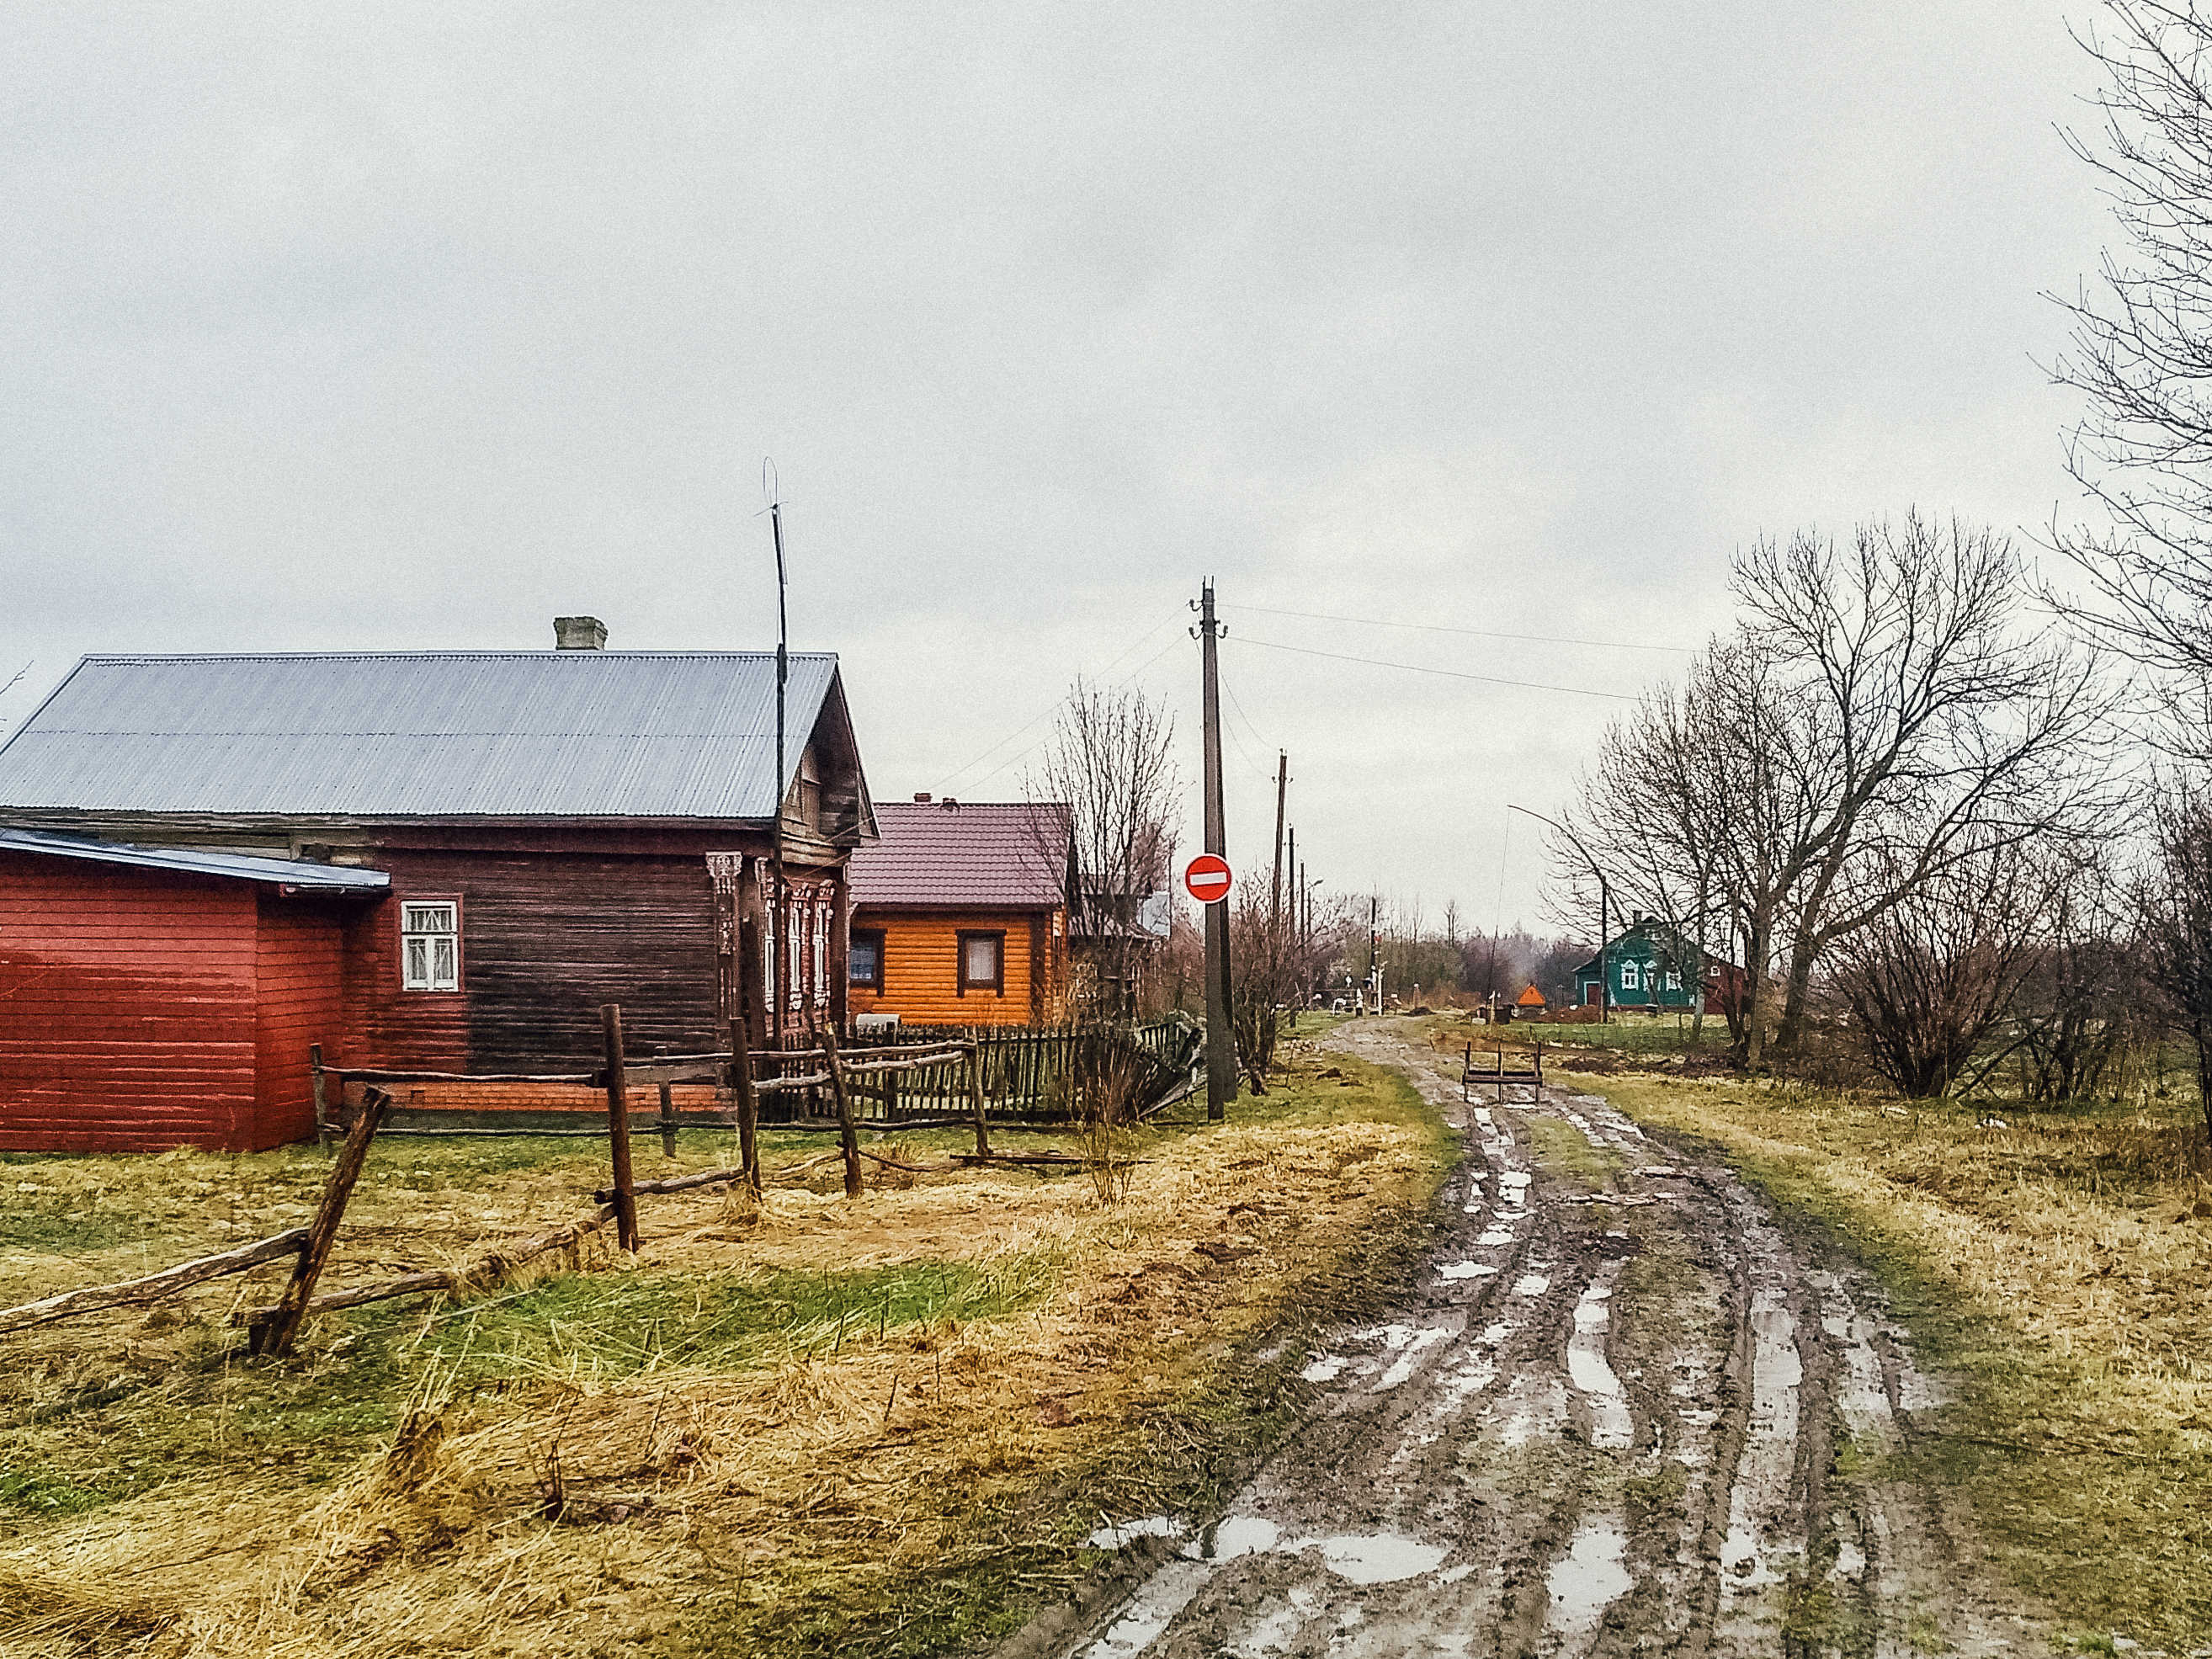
[(98, 1299)]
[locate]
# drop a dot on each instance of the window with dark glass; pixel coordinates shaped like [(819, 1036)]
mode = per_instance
[(864, 959)]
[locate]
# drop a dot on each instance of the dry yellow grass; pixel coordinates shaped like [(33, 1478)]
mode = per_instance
[(2060, 1266), (807, 1493)]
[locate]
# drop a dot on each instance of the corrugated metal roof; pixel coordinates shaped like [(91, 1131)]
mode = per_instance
[(419, 734), (977, 853), (324, 878)]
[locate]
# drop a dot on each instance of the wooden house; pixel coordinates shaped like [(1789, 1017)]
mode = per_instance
[(426, 860), (1649, 966), (960, 914)]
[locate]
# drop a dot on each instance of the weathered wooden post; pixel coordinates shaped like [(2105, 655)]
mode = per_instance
[(741, 1084), (848, 1136), (667, 1119), (277, 1334), (625, 1198), (975, 1099), (315, 1083)]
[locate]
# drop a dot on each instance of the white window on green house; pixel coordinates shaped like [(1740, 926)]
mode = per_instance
[(1628, 979), (1673, 979), (430, 946)]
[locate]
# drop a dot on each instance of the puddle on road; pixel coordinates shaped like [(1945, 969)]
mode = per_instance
[(1612, 1428), (1589, 1579), (1325, 1368), (1761, 1496), (1466, 1270), (1402, 1369), (1532, 1284), (1361, 1559), (1120, 1535), (1494, 1236), (1382, 1558)]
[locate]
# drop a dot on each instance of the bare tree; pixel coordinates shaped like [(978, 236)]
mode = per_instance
[(1948, 729), (1930, 977), (2173, 917), (2079, 1004), (1880, 714), (2142, 356), (1110, 762)]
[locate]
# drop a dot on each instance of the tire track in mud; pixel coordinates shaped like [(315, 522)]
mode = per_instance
[(1609, 1422)]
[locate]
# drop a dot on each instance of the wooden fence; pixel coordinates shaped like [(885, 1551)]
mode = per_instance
[(910, 1078), (890, 1072)]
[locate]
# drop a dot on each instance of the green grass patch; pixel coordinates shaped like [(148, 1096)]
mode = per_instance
[(600, 1327), (1561, 1147)]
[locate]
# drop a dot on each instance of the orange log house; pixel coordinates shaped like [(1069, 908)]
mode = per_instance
[(960, 914)]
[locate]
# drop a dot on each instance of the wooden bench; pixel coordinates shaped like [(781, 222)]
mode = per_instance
[(1498, 1075)]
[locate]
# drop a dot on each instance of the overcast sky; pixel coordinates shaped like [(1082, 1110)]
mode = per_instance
[(385, 327)]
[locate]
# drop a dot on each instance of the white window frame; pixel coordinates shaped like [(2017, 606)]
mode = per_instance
[(821, 954), (420, 936), (1629, 978), (1673, 979)]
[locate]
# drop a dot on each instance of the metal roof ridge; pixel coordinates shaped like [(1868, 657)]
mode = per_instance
[(548, 652)]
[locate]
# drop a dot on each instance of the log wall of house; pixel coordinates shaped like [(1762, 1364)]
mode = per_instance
[(921, 968), (545, 938), (126, 1009)]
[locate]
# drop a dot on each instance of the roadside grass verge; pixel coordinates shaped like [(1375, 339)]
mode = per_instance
[(876, 1427), (2057, 1268)]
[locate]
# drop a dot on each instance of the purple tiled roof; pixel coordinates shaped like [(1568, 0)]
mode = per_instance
[(973, 854)]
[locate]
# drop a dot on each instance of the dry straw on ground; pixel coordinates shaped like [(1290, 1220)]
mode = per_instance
[(589, 1495)]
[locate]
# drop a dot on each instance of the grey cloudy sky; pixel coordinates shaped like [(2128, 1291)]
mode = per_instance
[(411, 326)]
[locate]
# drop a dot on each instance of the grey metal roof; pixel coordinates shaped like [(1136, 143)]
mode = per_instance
[(327, 877), (420, 734)]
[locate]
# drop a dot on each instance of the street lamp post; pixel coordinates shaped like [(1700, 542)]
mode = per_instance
[(1604, 908)]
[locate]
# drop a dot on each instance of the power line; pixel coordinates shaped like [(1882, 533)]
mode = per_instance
[(1417, 668), (1474, 633), (1031, 748), (1053, 705)]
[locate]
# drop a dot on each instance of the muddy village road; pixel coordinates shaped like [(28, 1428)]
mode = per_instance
[(1652, 1425)]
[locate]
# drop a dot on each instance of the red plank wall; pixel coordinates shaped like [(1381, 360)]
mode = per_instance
[(126, 1008), (299, 966)]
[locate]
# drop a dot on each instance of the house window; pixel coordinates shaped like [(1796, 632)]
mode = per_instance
[(430, 946), (983, 964), (1628, 977), (864, 960), (1673, 979), (821, 952)]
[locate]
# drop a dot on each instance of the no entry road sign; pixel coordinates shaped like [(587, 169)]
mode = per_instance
[(1206, 879)]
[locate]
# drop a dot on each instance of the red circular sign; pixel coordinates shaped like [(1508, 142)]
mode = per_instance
[(1206, 879)]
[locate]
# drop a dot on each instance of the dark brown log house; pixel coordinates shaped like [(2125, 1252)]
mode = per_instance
[(559, 829)]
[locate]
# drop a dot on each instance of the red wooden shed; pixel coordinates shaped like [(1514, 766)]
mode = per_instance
[(160, 996)]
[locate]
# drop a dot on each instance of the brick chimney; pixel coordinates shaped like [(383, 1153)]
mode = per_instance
[(579, 634), (921, 798)]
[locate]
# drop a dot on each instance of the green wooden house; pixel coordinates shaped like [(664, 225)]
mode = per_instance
[(1648, 965)]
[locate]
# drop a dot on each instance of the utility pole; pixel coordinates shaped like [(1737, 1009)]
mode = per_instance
[(1297, 938), (1375, 952), (1275, 888), (1220, 1040)]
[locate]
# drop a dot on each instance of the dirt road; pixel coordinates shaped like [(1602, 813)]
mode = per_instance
[(1623, 1412)]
